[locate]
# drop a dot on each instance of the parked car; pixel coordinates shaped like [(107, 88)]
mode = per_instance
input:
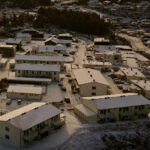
[(63, 88), (67, 100), (8, 101)]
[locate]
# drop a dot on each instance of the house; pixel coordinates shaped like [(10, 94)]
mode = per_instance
[(25, 37), (113, 57), (52, 49), (3, 63), (54, 41), (101, 41), (89, 82), (65, 36), (132, 73), (97, 65), (144, 85), (34, 33), (38, 71), (7, 51), (35, 59), (28, 123), (26, 92), (12, 64), (14, 41), (117, 107)]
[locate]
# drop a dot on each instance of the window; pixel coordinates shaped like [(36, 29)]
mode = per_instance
[(94, 87), (93, 93), (6, 128), (7, 137)]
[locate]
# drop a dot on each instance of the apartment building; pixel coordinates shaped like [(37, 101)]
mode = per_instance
[(35, 59), (26, 92), (38, 71), (118, 107), (28, 123), (89, 82), (7, 50)]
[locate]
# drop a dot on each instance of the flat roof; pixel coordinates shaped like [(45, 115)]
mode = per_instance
[(120, 101), (86, 75), (30, 115), (39, 67), (132, 72), (7, 46), (51, 48), (13, 41), (103, 48), (143, 84), (40, 58), (85, 110), (27, 89)]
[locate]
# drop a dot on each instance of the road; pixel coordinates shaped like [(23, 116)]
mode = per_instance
[(80, 54), (136, 43)]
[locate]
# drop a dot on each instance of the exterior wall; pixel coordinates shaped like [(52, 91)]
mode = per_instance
[(89, 104), (23, 73), (13, 133), (86, 118), (118, 114), (13, 95), (8, 52), (87, 90), (23, 138), (40, 130)]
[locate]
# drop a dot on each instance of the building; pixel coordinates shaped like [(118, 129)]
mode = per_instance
[(97, 65), (132, 73), (35, 59), (14, 41), (144, 85), (101, 41), (117, 107), (7, 50), (113, 57), (85, 113), (25, 37), (34, 33), (38, 71), (55, 41), (31, 122), (52, 49), (25, 92), (3, 63), (89, 82)]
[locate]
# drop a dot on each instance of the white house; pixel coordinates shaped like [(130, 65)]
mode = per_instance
[(26, 92), (28, 123), (89, 82)]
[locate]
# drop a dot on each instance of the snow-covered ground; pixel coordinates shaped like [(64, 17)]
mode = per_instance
[(119, 136)]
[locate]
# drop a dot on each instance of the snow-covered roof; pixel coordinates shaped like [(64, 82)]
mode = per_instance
[(13, 41), (39, 67), (85, 75), (86, 111), (132, 72), (26, 89), (144, 84), (102, 48), (30, 115), (119, 101), (40, 58)]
